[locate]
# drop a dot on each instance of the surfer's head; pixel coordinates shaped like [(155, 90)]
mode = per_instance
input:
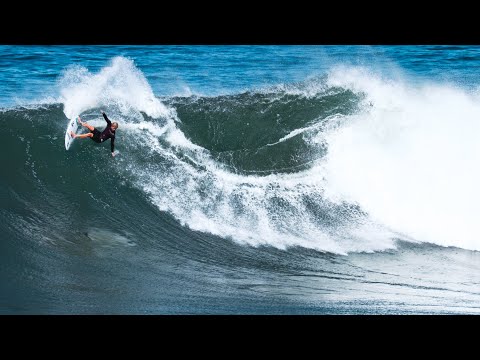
[(114, 125)]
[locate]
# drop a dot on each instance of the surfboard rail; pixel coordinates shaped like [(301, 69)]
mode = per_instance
[(72, 126)]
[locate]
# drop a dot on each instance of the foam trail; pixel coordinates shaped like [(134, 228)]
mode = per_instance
[(305, 130), (290, 135)]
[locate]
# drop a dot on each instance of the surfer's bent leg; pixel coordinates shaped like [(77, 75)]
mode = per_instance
[(88, 126), (82, 136)]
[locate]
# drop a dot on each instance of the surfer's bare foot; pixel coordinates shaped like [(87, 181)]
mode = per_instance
[(80, 121), (72, 134)]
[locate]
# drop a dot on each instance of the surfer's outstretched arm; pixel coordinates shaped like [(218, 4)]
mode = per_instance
[(112, 145), (106, 118)]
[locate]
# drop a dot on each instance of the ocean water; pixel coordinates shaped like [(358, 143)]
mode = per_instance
[(249, 180)]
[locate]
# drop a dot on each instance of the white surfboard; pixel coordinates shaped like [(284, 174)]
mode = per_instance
[(72, 126)]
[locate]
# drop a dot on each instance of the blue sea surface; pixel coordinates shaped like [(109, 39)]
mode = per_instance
[(31, 72)]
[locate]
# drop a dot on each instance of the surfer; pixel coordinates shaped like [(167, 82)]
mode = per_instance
[(97, 136)]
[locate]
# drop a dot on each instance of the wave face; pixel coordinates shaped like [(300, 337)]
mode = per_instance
[(342, 163), (347, 162)]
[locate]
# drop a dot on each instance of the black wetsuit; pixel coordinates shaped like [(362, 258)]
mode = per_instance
[(106, 134)]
